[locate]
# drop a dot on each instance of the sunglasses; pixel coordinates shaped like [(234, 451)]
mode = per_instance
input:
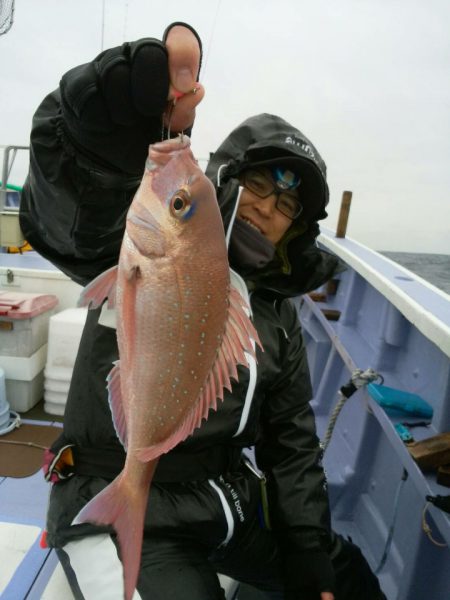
[(287, 203)]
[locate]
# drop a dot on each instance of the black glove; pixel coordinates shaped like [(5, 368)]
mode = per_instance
[(306, 574), (113, 107)]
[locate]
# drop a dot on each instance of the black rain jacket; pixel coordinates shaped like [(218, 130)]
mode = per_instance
[(73, 212)]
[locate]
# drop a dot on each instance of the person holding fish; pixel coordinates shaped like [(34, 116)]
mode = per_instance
[(189, 445)]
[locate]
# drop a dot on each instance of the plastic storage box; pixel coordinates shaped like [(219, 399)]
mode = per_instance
[(23, 345), (65, 331)]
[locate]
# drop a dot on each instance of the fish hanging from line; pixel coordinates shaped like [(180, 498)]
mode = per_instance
[(182, 328)]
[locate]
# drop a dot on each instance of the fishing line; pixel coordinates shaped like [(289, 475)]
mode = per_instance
[(102, 31), (167, 115), (125, 20), (208, 49)]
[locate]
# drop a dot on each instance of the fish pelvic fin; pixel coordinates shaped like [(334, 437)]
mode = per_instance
[(116, 405), (238, 342), (100, 288), (124, 508)]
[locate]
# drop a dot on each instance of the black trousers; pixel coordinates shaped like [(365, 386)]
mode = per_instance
[(187, 541), (175, 569)]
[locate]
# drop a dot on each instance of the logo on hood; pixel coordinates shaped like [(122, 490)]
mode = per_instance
[(301, 144)]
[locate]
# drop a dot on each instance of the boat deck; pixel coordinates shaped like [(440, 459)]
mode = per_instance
[(28, 571)]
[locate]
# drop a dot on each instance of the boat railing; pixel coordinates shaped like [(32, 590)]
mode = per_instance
[(420, 302), (10, 233)]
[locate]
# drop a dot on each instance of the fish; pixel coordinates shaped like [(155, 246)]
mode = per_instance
[(182, 329)]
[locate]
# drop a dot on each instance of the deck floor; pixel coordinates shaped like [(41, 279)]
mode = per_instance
[(23, 506)]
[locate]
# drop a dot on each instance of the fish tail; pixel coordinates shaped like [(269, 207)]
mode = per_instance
[(124, 508)]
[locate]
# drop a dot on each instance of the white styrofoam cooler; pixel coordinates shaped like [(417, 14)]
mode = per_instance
[(24, 322), (65, 329)]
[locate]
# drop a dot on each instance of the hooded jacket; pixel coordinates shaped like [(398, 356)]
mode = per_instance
[(73, 212)]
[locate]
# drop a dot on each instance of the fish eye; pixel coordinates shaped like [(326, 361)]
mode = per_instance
[(180, 204)]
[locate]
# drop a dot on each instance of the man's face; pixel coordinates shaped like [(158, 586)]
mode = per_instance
[(262, 212)]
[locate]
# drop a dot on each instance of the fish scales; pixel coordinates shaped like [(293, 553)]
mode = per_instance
[(181, 331), (190, 317)]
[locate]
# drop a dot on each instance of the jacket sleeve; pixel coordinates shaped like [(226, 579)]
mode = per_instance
[(289, 450), (71, 211), (88, 145)]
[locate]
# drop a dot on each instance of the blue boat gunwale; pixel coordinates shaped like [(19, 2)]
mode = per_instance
[(424, 305)]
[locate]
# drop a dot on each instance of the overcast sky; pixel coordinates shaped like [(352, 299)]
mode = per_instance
[(368, 81)]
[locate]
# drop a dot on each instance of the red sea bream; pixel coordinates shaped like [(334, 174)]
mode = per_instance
[(181, 331)]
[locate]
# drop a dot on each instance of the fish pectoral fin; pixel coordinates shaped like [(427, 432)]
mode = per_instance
[(100, 288), (116, 404)]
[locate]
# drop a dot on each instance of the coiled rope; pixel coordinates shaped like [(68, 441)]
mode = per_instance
[(358, 380)]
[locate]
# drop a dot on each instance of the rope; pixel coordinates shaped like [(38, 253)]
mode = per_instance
[(333, 418), (362, 378), (358, 380), (30, 444), (427, 529)]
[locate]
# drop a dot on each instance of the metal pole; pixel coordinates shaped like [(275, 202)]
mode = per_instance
[(6, 169)]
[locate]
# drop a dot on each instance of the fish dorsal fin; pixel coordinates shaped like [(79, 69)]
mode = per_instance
[(239, 339), (116, 404), (100, 288)]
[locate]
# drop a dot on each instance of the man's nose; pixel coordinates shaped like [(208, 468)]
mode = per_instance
[(266, 206)]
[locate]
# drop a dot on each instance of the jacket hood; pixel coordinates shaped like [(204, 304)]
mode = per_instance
[(264, 140), (299, 265)]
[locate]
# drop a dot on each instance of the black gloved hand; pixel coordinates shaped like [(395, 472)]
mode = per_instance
[(113, 107), (307, 574)]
